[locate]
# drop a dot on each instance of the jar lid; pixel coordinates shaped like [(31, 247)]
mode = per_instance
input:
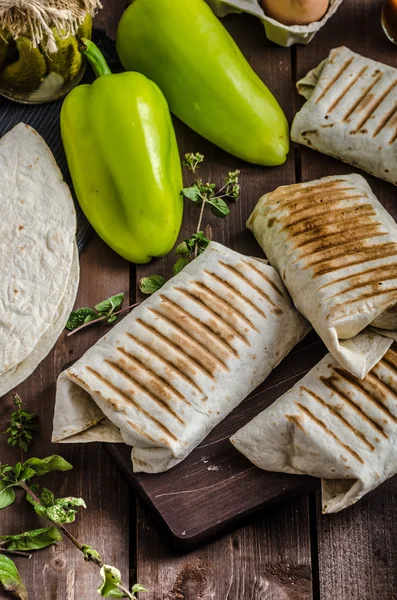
[(37, 19)]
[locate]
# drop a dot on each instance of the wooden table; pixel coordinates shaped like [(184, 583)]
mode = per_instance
[(293, 553)]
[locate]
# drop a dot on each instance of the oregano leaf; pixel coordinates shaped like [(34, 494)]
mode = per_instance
[(152, 283), (42, 466), (7, 494), (111, 577), (10, 578), (32, 540)]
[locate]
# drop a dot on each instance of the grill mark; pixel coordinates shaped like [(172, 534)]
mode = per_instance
[(140, 431), (378, 270), (202, 326), (358, 236), (265, 277), (350, 379), (223, 301), (319, 201), (347, 88), (376, 382), (275, 309), (359, 385), (202, 355), (323, 426), (389, 364), (372, 294), (385, 120), (195, 363), (142, 388), (308, 192), (345, 249), (393, 138), (166, 363), (157, 378), (375, 106), (334, 411), (335, 78), (233, 290), (130, 400), (361, 98), (362, 284), (317, 234), (326, 219), (382, 251), (216, 316)]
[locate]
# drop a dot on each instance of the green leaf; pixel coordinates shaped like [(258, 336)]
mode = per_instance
[(180, 264), (112, 303), (90, 553), (64, 509), (90, 318), (111, 578), (149, 285), (46, 497), (182, 248), (10, 578), (7, 494), (219, 207), (79, 316), (138, 588), (26, 473), (32, 540), (193, 194), (42, 466), (112, 319)]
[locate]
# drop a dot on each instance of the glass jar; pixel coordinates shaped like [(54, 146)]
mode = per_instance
[(34, 75), (389, 20)]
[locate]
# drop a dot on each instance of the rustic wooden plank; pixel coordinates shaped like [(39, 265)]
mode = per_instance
[(60, 572), (270, 558), (357, 556)]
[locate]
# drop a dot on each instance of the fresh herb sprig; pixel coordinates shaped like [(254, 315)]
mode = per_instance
[(202, 195), (107, 310), (57, 511)]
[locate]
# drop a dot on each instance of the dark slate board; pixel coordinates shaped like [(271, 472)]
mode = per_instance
[(216, 488)]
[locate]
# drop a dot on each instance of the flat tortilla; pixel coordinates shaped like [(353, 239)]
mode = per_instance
[(39, 264), (333, 426), (181, 361), (335, 247), (351, 112)]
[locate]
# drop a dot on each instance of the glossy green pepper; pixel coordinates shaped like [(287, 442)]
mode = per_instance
[(207, 81), (123, 158)]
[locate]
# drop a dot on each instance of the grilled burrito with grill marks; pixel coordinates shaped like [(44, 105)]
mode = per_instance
[(351, 112), (333, 426), (163, 377), (335, 247)]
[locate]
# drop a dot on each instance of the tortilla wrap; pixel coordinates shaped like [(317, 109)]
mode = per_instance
[(38, 258), (351, 112), (181, 361), (335, 247), (333, 426)]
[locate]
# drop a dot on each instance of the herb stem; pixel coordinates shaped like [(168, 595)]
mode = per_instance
[(199, 225), (101, 319), (15, 553), (71, 537)]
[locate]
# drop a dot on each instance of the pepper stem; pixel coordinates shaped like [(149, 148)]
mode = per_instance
[(94, 57)]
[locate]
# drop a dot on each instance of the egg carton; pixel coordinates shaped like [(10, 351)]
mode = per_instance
[(284, 35)]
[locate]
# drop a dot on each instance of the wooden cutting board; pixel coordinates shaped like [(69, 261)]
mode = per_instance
[(216, 488)]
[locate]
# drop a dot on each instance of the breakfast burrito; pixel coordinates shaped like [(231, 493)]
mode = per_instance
[(351, 112), (333, 426), (164, 376), (39, 263), (335, 247)]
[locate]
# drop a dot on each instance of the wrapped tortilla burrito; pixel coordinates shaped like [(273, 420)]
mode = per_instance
[(180, 362), (335, 247), (39, 263), (351, 112), (333, 426)]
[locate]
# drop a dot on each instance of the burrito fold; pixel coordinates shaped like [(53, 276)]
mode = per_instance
[(333, 426), (351, 112), (335, 248), (171, 370)]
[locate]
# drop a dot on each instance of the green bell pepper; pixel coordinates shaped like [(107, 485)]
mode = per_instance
[(123, 158), (207, 81)]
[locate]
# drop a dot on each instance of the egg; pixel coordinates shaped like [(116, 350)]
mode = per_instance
[(295, 12)]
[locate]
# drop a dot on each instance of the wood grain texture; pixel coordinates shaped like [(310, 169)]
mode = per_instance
[(357, 547), (271, 558)]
